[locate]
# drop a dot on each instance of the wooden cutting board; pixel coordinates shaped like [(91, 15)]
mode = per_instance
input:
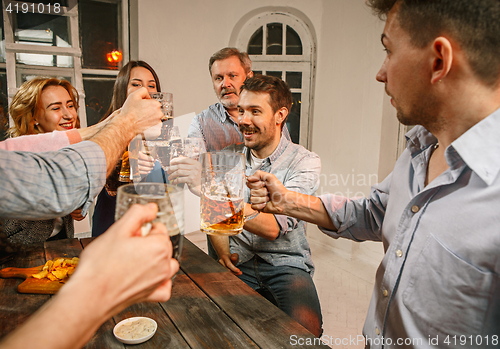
[(31, 285)]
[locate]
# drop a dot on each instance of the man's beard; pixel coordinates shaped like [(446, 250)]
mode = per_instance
[(425, 112), (265, 135)]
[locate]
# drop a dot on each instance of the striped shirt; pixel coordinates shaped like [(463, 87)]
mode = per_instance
[(50, 184)]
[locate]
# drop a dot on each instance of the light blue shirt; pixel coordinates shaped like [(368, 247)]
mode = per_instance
[(440, 276), (298, 169), (50, 184)]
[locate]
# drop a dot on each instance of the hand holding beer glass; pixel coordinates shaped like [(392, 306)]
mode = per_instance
[(170, 202), (222, 193), (166, 100)]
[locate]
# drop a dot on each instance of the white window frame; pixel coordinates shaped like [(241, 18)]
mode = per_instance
[(284, 62), (76, 72)]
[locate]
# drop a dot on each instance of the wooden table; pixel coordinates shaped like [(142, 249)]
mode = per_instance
[(209, 307)]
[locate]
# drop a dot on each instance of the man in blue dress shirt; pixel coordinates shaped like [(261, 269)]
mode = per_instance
[(437, 212)]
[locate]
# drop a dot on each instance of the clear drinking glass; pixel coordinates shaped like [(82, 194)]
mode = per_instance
[(162, 152), (167, 103), (170, 202), (176, 150), (174, 135), (193, 147), (222, 193)]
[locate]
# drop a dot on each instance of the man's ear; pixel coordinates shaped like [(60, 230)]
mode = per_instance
[(442, 59), (250, 74), (281, 115)]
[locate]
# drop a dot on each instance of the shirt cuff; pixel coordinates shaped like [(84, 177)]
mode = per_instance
[(283, 224), (95, 162), (73, 136), (333, 204)]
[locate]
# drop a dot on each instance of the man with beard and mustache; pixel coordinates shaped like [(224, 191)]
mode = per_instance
[(217, 125), (272, 253), (437, 212)]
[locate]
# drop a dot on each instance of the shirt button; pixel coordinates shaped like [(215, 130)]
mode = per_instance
[(377, 331), (415, 209), (399, 253), (385, 293)]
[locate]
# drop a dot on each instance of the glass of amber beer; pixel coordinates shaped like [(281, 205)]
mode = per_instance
[(222, 193)]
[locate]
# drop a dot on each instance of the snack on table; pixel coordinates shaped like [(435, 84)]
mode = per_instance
[(58, 269)]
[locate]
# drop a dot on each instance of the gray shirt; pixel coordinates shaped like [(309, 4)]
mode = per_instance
[(298, 169), (440, 276)]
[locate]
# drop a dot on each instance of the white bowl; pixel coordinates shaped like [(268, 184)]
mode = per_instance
[(136, 340)]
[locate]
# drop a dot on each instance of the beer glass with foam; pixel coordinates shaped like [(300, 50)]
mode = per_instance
[(222, 193)]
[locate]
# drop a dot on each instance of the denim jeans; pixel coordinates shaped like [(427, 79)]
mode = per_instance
[(291, 289)]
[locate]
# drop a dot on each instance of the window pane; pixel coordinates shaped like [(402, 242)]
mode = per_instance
[(4, 107), (43, 30), (294, 79), (276, 74), (274, 39), (99, 34), (44, 60), (257, 72), (98, 93), (293, 121), (49, 30), (293, 43), (255, 43)]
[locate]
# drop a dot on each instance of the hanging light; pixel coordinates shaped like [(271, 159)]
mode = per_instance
[(114, 56)]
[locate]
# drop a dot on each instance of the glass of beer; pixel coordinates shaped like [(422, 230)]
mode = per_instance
[(125, 169), (222, 193), (170, 202)]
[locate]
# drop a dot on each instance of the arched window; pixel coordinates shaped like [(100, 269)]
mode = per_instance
[(280, 44)]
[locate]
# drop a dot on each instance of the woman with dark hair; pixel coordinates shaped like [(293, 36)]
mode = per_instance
[(43, 105), (132, 76)]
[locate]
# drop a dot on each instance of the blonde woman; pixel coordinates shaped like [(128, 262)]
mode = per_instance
[(43, 105)]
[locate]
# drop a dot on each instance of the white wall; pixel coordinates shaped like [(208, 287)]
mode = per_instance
[(351, 132)]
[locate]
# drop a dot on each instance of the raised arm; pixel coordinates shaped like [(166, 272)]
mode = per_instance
[(269, 195), (55, 140), (139, 112), (116, 270), (50, 184), (356, 219), (53, 184)]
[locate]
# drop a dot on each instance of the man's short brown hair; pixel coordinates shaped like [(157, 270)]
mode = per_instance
[(474, 24), (279, 93)]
